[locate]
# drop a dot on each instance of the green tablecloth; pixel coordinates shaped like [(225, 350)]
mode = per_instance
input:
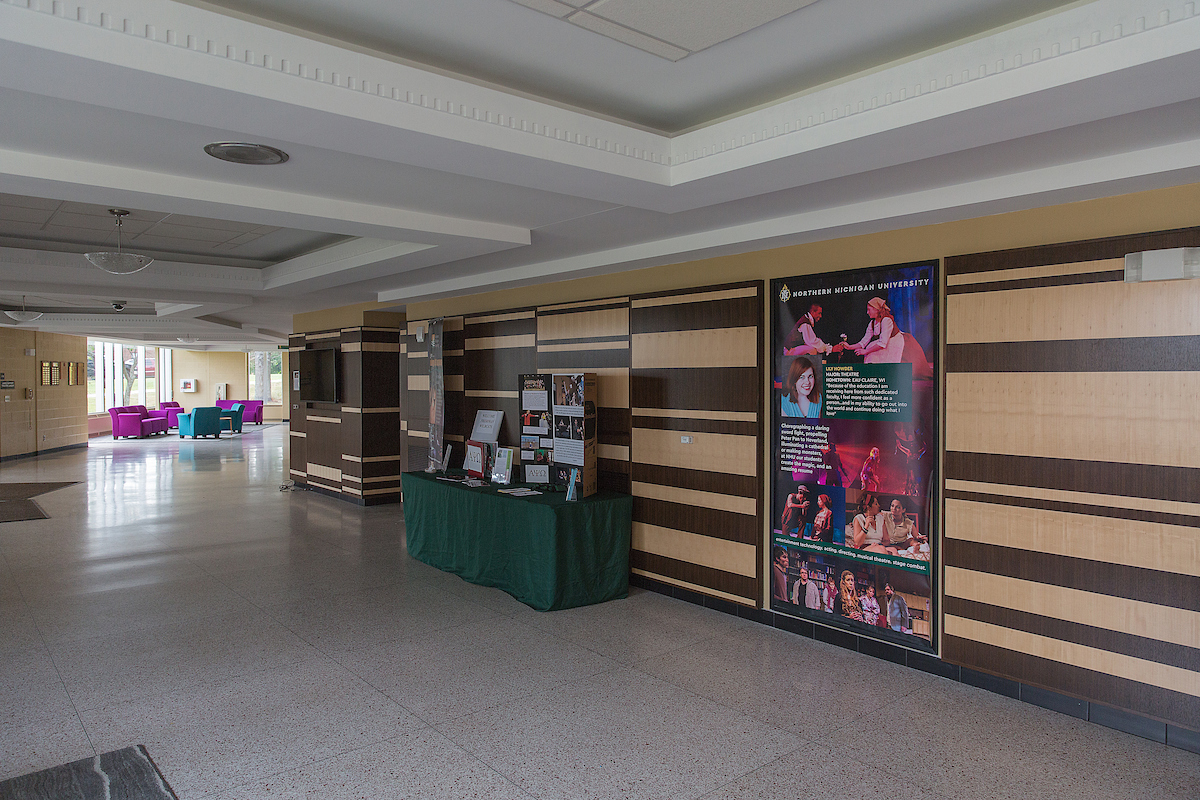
[(544, 551)]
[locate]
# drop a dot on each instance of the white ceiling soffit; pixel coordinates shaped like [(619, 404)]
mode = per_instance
[(180, 62), (670, 29)]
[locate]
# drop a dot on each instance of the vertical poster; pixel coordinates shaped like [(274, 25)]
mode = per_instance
[(437, 395), (854, 422)]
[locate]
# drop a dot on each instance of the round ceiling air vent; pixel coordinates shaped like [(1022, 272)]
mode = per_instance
[(246, 153)]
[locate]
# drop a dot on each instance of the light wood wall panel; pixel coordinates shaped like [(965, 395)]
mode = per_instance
[(1138, 417), (1072, 524)]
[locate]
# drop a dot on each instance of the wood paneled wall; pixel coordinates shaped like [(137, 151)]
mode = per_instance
[(1072, 536), (685, 363), (352, 448), (697, 375)]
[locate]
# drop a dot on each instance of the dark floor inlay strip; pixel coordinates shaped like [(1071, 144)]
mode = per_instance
[(126, 773)]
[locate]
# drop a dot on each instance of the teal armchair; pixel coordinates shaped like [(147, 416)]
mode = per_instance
[(201, 421), (234, 415)]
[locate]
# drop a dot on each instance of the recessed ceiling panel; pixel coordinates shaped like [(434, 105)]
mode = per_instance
[(38, 223), (627, 36), (693, 25)]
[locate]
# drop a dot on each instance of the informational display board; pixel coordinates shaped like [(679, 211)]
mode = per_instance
[(537, 423), (573, 400), (854, 424)]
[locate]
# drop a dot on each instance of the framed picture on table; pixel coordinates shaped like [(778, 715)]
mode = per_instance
[(475, 461)]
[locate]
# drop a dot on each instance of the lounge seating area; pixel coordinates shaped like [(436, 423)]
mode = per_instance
[(226, 415)]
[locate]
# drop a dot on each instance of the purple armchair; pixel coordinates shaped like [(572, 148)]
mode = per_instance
[(252, 409), (137, 421)]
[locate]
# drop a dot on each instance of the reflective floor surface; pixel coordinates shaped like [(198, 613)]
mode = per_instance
[(267, 644)]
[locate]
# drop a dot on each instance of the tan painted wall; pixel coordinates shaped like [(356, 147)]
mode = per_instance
[(61, 410), (208, 368), (57, 415), (346, 317), (18, 416), (1162, 209)]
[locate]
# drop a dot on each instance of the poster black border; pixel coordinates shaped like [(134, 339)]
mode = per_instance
[(934, 510)]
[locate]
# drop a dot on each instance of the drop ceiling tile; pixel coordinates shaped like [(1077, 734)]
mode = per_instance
[(32, 215), (694, 24), (245, 238), (629, 37), (551, 7), (21, 201), (24, 230), (187, 233), (101, 212), (173, 244), (91, 224), (213, 224)]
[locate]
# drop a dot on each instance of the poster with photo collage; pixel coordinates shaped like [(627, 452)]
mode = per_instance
[(854, 424)]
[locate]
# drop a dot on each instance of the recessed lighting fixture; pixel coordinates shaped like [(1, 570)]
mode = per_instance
[(246, 153), (120, 262), (23, 315)]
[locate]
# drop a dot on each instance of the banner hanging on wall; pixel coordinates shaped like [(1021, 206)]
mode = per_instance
[(437, 395), (854, 422)]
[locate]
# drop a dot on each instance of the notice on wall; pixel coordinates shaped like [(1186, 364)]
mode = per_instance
[(854, 424), (868, 391)]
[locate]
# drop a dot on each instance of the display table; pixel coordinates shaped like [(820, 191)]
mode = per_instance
[(544, 551)]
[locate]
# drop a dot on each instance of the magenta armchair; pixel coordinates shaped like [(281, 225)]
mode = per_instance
[(252, 409), (137, 421)]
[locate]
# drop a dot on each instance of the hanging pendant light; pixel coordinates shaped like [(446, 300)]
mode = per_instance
[(23, 315), (119, 263)]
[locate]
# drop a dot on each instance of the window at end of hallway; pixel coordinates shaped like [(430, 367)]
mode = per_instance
[(265, 376)]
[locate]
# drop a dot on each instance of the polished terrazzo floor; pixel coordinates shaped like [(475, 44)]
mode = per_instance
[(267, 644)]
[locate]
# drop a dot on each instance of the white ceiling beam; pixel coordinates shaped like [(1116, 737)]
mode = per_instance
[(27, 173), (1097, 177), (337, 264)]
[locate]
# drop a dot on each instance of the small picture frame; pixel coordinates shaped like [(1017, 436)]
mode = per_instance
[(537, 473), (502, 468)]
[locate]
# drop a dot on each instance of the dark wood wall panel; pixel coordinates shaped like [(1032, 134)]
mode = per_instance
[(1071, 474), (703, 388)]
